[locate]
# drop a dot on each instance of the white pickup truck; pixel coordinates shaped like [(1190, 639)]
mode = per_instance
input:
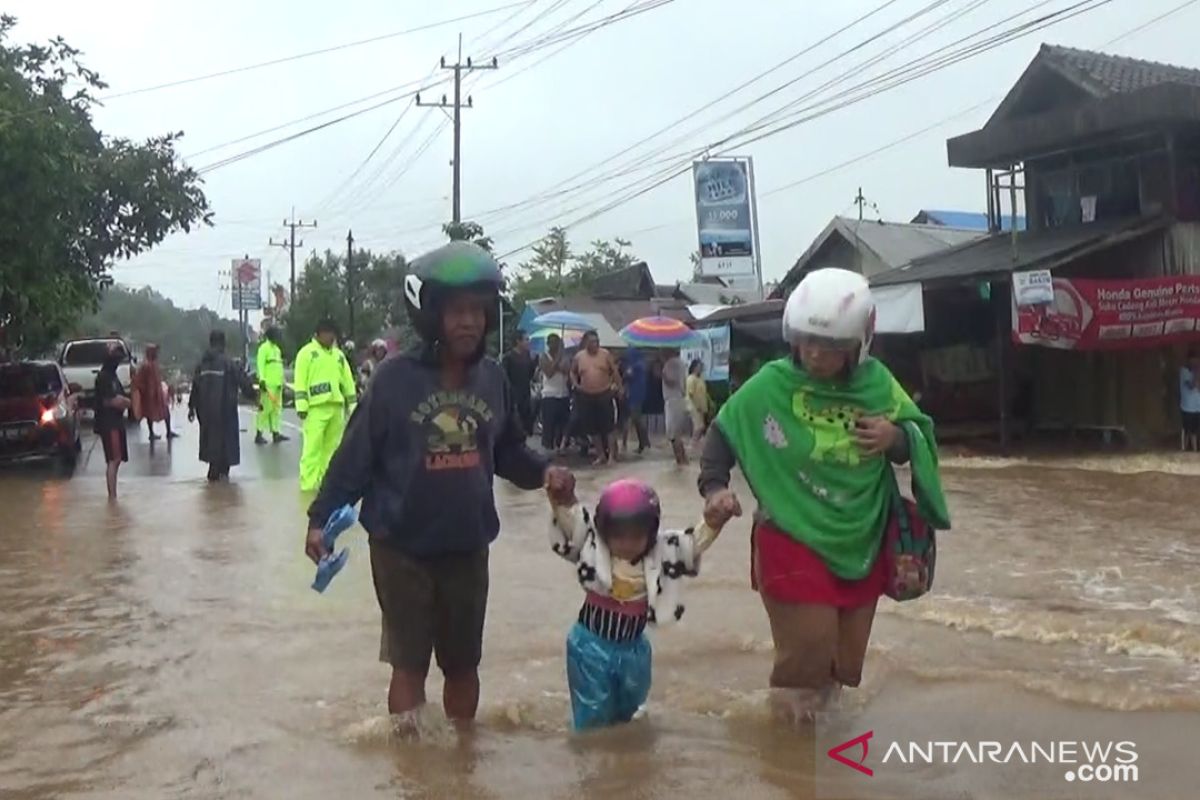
[(81, 360)]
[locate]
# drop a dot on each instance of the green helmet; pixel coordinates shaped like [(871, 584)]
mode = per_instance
[(454, 267)]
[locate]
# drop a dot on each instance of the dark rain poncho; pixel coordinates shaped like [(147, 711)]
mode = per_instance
[(214, 399)]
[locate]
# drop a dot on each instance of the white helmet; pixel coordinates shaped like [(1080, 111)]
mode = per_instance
[(832, 304)]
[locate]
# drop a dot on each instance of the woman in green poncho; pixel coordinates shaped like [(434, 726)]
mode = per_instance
[(813, 434)]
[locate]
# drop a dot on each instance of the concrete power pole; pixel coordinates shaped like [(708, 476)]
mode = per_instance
[(290, 245), (457, 105)]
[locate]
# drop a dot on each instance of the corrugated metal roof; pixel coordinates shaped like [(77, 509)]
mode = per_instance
[(1103, 74), (893, 243), (898, 243), (965, 220), (993, 255)]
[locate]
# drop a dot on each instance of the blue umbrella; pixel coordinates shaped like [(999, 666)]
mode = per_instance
[(564, 320)]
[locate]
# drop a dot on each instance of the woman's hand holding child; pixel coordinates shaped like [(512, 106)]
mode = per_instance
[(560, 487), (720, 507)]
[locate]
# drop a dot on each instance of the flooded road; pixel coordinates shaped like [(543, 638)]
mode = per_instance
[(169, 646)]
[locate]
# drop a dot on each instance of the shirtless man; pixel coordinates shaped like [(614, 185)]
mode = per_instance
[(596, 378)]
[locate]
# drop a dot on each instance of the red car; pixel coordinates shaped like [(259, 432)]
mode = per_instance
[(38, 414)]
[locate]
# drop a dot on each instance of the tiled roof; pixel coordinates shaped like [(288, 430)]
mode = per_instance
[(1108, 74)]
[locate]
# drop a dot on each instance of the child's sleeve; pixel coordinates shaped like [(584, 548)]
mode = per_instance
[(687, 546), (569, 529)]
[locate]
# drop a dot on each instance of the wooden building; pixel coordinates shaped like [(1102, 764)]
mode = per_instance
[(1103, 154)]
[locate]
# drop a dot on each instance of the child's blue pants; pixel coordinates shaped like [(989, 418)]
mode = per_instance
[(608, 680)]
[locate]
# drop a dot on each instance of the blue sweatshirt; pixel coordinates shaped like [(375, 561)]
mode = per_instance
[(422, 459)]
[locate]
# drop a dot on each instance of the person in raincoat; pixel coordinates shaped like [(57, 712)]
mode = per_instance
[(325, 393), (150, 400), (213, 402), (269, 364)]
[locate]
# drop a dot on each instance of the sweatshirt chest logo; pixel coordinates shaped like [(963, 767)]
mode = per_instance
[(450, 424)]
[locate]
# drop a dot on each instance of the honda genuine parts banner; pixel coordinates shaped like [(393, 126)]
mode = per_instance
[(1112, 314)]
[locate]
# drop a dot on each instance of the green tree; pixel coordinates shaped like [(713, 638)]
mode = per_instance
[(468, 231), (321, 292), (144, 316), (602, 259), (547, 274), (73, 200), (554, 270)]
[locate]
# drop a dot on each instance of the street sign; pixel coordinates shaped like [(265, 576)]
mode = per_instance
[(247, 284)]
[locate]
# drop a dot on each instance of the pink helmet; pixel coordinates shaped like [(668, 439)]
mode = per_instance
[(628, 500)]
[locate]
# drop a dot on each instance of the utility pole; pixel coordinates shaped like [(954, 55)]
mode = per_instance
[(860, 201), (291, 244), (350, 279), (458, 68)]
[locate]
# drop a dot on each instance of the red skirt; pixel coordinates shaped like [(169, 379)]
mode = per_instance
[(789, 572)]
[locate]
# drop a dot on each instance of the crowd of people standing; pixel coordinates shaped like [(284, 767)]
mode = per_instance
[(597, 401)]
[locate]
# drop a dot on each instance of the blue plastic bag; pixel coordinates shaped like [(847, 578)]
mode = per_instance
[(609, 681), (338, 523)]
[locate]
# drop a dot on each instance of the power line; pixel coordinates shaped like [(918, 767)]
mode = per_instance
[(670, 173), (422, 87), (691, 115), (567, 45), (322, 51), (1150, 23), (299, 134), (645, 161), (292, 137)]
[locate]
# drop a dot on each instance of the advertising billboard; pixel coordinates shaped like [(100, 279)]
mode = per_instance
[(246, 284), (725, 218)]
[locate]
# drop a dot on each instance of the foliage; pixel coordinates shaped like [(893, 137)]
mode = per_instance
[(144, 316), (468, 231), (694, 258), (554, 270), (73, 200), (378, 291)]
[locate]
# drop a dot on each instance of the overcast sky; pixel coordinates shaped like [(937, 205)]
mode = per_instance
[(537, 123)]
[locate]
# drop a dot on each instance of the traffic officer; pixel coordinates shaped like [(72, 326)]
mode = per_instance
[(270, 387), (324, 396)]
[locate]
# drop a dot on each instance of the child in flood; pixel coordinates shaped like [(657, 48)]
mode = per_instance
[(632, 574)]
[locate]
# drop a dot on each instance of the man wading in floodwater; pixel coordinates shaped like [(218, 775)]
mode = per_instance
[(421, 452)]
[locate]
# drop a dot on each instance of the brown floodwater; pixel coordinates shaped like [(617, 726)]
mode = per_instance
[(169, 646)]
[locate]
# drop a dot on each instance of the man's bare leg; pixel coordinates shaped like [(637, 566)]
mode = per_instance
[(406, 691), (460, 696), (601, 455), (110, 478)]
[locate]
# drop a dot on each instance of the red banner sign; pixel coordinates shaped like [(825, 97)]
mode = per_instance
[(1112, 315)]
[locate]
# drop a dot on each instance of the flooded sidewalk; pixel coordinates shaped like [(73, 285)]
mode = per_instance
[(169, 646)]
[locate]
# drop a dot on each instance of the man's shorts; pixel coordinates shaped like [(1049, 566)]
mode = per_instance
[(430, 605), (596, 413), (1191, 424), (116, 445), (679, 421)]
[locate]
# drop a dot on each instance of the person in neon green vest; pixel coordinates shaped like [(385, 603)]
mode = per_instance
[(325, 394), (814, 434), (270, 388)]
